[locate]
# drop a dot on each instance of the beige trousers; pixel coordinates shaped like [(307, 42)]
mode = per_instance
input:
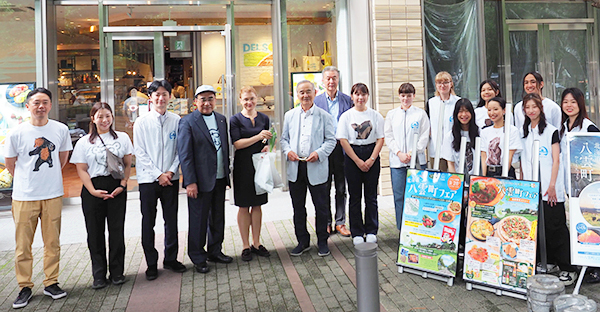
[(26, 214)]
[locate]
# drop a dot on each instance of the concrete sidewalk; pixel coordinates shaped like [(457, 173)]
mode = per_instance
[(278, 283)]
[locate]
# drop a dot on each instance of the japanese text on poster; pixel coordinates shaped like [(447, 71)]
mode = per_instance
[(431, 221), (500, 243)]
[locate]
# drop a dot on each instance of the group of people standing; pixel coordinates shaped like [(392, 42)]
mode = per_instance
[(535, 118), (328, 139)]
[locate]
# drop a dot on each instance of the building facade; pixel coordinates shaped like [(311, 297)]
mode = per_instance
[(108, 50)]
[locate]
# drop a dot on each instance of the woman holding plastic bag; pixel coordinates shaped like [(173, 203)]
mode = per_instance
[(249, 132), (361, 132)]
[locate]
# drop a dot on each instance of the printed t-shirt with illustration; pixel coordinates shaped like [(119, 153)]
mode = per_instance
[(448, 153), (492, 142), (38, 172), (211, 124), (94, 154), (360, 128)]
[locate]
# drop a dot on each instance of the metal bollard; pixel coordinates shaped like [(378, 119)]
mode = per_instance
[(367, 277)]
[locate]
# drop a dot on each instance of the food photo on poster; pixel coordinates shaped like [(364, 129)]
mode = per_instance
[(584, 203), (12, 113), (500, 244), (431, 221)]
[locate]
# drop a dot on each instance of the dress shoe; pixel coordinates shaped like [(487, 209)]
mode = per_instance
[(201, 267), (220, 258), (174, 266), (151, 272), (261, 251), (342, 230), (246, 254)]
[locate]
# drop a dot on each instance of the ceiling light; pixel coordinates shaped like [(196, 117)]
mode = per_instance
[(113, 7), (71, 23), (17, 18), (89, 20), (92, 28)]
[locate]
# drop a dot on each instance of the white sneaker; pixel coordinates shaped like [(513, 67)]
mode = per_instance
[(357, 240), (568, 278), (371, 238)]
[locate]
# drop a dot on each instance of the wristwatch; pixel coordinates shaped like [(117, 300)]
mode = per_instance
[(123, 187)]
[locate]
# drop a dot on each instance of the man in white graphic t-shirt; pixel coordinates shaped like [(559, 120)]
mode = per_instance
[(36, 151)]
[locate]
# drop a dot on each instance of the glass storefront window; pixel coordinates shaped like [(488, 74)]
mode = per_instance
[(536, 10), (17, 27), (254, 55), (310, 25), (156, 15), (78, 58), (17, 75), (493, 42)]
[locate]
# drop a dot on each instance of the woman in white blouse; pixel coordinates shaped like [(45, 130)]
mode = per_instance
[(103, 197)]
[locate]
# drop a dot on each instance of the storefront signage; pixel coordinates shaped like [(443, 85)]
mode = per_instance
[(258, 54), (12, 113), (431, 221), (500, 244), (584, 203)]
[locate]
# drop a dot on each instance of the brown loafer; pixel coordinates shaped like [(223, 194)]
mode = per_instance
[(342, 230)]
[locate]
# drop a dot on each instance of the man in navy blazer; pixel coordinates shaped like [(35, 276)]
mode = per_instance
[(336, 103), (203, 147), (307, 139)]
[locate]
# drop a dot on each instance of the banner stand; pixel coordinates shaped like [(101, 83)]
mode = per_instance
[(497, 291), (579, 280), (424, 274), (505, 292)]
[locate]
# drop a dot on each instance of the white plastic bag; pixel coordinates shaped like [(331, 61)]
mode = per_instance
[(266, 177)]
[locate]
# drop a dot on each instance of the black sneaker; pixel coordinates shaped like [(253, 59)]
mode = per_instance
[(174, 266), (118, 280), (261, 251), (54, 291), (151, 272), (299, 250), (99, 283), (23, 299), (246, 254), (323, 250)]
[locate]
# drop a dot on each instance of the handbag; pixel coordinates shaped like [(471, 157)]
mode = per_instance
[(311, 62), (266, 176), (219, 88), (114, 164)]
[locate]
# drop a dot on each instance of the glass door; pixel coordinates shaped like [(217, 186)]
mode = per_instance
[(561, 53), (133, 67)]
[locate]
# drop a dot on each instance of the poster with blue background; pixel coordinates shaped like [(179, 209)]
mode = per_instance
[(431, 221), (583, 176)]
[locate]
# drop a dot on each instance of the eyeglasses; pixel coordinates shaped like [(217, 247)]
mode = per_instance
[(445, 83), (208, 99)]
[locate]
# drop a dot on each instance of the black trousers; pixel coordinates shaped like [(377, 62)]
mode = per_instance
[(337, 176), (558, 244), (207, 217), (357, 182), (98, 212), (497, 172), (320, 197), (150, 193)]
